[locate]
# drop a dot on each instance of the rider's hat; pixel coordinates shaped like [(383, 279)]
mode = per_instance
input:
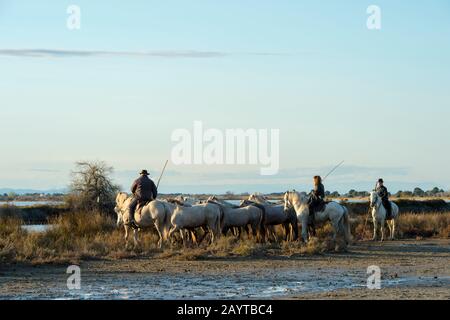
[(380, 180), (144, 172)]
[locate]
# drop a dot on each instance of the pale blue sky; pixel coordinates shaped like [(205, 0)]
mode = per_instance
[(336, 90)]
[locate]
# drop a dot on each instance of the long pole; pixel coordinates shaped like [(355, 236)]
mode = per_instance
[(368, 214), (162, 172), (367, 219), (340, 164)]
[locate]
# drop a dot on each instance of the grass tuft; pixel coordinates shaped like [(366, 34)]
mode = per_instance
[(90, 235)]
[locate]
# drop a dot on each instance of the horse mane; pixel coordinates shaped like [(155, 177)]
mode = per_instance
[(178, 202)]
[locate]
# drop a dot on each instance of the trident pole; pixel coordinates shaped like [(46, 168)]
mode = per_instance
[(334, 169), (162, 172)]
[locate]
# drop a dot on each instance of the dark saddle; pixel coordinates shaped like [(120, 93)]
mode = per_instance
[(317, 206)]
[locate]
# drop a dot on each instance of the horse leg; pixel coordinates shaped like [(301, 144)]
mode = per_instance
[(255, 231), (171, 232), (390, 229), (194, 237), (247, 231), (289, 235), (126, 235), (262, 233), (205, 233), (389, 223), (294, 225), (286, 231), (272, 233), (237, 232), (159, 229), (382, 230), (187, 237), (375, 227), (183, 240), (393, 230), (212, 234), (225, 231), (305, 229), (269, 233), (135, 237)]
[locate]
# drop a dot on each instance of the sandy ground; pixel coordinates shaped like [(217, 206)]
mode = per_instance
[(422, 268)]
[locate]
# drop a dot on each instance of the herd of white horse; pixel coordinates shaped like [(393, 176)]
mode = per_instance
[(256, 215)]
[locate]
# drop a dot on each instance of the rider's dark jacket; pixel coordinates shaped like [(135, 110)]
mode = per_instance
[(316, 199), (144, 189), (383, 193), (318, 193)]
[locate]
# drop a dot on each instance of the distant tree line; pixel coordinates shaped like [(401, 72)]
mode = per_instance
[(417, 192), (12, 196)]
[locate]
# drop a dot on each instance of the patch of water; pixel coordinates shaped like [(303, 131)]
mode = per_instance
[(245, 285), (36, 227), (31, 203)]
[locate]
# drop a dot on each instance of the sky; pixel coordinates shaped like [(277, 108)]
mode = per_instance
[(115, 90)]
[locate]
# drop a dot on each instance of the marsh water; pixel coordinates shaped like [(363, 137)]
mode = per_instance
[(36, 227), (248, 285), (31, 203)]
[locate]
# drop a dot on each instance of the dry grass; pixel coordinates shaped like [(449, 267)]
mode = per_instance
[(409, 225), (78, 236), (424, 225), (73, 237)]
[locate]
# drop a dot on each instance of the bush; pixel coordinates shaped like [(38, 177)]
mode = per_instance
[(92, 188)]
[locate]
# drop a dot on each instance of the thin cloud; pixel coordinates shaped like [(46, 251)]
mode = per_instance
[(44, 170), (56, 53), (60, 53)]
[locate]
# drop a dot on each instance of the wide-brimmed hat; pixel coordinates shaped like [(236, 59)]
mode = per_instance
[(144, 172)]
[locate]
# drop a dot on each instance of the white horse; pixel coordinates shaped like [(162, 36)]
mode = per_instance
[(379, 213), (236, 217), (276, 214), (187, 200), (333, 212), (202, 215), (155, 213)]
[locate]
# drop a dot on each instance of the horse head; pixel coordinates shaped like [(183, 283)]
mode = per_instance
[(120, 207), (258, 198), (374, 199), (212, 198), (287, 200)]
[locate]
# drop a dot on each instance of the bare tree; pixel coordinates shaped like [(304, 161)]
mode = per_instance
[(92, 187)]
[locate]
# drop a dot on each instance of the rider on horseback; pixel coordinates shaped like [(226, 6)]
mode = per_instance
[(144, 190), (384, 195), (316, 198)]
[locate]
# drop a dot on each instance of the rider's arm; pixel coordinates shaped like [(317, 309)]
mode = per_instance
[(154, 190), (134, 187)]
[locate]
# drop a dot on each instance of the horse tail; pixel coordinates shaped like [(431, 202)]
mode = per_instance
[(262, 221), (221, 219), (166, 221), (262, 218), (347, 227), (263, 212)]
